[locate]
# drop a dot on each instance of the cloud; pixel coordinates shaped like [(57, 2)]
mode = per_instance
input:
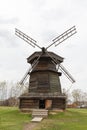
[(6, 20), (42, 20), (8, 38)]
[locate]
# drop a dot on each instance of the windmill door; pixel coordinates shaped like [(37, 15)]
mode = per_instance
[(48, 104), (45, 104), (42, 104)]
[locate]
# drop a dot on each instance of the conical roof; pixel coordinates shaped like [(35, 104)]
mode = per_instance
[(50, 55)]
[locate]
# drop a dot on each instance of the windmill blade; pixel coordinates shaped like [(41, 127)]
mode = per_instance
[(53, 60), (24, 77), (63, 36), (62, 68), (28, 72), (66, 73), (26, 38), (30, 69)]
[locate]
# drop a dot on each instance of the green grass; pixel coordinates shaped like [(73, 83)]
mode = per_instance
[(72, 119), (12, 119)]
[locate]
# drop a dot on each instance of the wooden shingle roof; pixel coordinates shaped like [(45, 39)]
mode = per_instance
[(35, 55)]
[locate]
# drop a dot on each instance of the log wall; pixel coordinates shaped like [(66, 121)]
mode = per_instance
[(57, 103), (27, 103), (44, 82)]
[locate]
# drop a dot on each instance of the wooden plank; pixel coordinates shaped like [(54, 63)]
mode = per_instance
[(37, 119)]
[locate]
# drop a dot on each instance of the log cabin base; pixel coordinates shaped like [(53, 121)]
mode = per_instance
[(42, 101)]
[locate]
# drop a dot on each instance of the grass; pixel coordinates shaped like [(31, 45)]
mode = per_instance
[(72, 119), (12, 119)]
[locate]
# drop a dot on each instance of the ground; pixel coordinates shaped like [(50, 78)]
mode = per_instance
[(71, 119), (30, 126)]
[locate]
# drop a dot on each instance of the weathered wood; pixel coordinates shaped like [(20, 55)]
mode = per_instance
[(44, 84), (46, 80), (48, 104), (59, 103), (39, 113), (37, 119), (29, 103), (34, 56)]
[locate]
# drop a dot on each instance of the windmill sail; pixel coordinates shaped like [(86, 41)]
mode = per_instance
[(66, 73), (30, 69), (63, 36), (26, 38), (63, 69), (55, 41)]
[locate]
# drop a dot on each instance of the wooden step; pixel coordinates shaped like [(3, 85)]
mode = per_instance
[(37, 119), (39, 113)]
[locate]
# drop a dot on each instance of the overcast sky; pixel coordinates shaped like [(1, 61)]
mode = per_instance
[(43, 20)]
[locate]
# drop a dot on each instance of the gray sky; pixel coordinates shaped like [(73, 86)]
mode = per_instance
[(43, 20)]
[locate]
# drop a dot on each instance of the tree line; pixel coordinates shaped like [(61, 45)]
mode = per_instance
[(10, 92)]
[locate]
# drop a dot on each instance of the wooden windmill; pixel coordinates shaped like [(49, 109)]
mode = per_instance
[(44, 84)]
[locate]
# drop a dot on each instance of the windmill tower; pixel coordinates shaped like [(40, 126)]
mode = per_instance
[(44, 90)]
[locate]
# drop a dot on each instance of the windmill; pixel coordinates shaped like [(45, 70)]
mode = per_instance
[(44, 84)]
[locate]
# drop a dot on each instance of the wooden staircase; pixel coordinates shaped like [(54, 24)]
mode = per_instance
[(40, 113)]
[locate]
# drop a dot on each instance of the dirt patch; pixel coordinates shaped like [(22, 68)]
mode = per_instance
[(30, 126)]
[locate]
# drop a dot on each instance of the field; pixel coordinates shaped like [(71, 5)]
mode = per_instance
[(12, 119), (71, 119)]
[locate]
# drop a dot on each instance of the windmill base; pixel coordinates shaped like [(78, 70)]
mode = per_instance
[(42, 102)]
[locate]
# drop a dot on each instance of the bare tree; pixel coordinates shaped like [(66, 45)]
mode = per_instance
[(76, 93), (15, 91), (3, 90), (80, 97)]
